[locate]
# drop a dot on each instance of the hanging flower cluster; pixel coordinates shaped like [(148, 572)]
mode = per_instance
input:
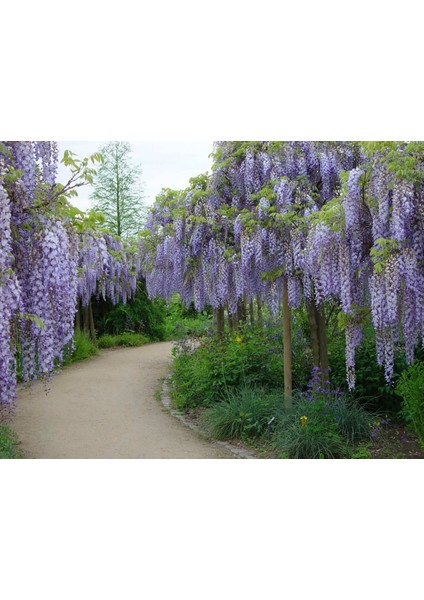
[(107, 267), (310, 213), (38, 265), (45, 264), (395, 188), (9, 300)]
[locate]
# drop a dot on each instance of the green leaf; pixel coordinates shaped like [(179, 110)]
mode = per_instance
[(34, 318)]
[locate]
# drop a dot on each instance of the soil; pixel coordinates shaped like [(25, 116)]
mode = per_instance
[(105, 407), (395, 441)]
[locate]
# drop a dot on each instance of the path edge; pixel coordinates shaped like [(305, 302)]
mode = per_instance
[(166, 402)]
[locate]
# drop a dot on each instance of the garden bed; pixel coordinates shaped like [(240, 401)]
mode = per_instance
[(396, 441), (393, 441)]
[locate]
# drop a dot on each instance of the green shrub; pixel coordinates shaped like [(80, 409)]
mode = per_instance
[(107, 341), (244, 413), (362, 452), (353, 421), (197, 326), (9, 443), (138, 315), (311, 441), (123, 339), (252, 356), (322, 423), (182, 321), (83, 348), (411, 387), (371, 387)]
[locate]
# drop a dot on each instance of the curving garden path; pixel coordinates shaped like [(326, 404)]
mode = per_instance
[(105, 407)]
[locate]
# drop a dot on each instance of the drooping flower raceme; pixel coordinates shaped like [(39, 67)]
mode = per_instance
[(9, 302)]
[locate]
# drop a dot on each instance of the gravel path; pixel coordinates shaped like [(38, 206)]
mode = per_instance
[(105, 407)]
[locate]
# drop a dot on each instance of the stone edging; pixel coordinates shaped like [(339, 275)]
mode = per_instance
[(166, 401)]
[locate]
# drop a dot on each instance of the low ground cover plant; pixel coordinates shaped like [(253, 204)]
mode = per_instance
[(244, 413), (9, 443), (323, 423), (320, 424), (83, 347)]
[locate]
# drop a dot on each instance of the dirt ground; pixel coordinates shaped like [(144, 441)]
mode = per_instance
[(105, 407)]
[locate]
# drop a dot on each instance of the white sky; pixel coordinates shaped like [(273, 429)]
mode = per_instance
[(163, 164)]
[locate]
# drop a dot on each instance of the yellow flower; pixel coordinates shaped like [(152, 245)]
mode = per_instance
[(303, 420), (238, 339)]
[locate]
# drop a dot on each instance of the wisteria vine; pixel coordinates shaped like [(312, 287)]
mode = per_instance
[(336, 223), (46, 263)]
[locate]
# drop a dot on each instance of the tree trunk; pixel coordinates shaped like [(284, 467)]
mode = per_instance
[(86, 319), (92, 328), (241, 310), (78, 316), (234, 321), (323, 347), (219, 321), (251, 313), (319, 343), (259, 304), (313, 328), (287, 347)]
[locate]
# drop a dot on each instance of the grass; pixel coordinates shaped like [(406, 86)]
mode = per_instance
[(311, 441), (321, 424), (124, 339), (9, 443), (243, 413), (84, 348), (362, 452), (159, 391)]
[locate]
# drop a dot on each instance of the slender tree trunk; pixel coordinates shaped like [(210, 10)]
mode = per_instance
[(78, 316), (220, 321), (323, 346), (241, 310), (319, 343), (92, 328), (86, 319), (313, 328), (259, 305), (287, 347), (251, 313)]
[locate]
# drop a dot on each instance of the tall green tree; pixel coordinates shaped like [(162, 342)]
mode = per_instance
[(118, 192)]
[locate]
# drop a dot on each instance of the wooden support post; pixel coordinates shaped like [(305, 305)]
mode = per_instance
[(313, 329), (323, 347), (220, 322), (287, 347), (259, 305), (252, 313), (78, 316), (92, 328)]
